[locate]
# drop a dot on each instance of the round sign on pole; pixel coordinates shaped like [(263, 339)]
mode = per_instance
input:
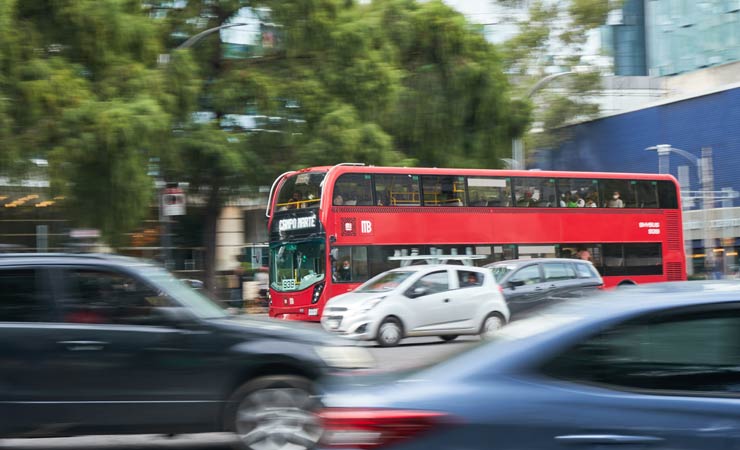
[(173, 202)]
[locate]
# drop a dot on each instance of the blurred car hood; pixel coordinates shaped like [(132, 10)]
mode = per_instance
[(273, 328), (354, 299)]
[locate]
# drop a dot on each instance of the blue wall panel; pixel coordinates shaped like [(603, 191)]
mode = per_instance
[(617, 143)]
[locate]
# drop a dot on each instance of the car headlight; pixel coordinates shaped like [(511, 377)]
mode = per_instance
[(370, 304), (346, 357)]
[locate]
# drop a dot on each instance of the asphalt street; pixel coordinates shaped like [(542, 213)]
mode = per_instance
[(413, 352)]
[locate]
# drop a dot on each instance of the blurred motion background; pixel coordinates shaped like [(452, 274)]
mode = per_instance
[(154, 128)]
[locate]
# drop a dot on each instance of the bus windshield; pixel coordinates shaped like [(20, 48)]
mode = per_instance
[(302, 190), (295, 266)]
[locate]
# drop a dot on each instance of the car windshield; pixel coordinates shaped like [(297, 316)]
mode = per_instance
[(500, 271), (385, 282), (298, 265), (196, 302)]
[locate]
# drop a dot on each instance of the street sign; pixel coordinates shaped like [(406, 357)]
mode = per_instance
[(173, 202)]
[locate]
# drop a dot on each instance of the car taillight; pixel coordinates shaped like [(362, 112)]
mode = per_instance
[(375, 428)]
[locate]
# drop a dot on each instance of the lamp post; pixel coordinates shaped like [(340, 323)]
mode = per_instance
[(192, 40), (517, 144), (703, 166)]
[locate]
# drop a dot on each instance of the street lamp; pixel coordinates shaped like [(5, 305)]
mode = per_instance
[(703, 166), (517, 144), (192, 40)]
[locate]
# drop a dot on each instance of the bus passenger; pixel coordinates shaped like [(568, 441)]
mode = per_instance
[(615, 201), (296, 199)]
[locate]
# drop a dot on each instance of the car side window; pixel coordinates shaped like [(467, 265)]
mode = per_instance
[(20, 297), (95, 296), (585, 271), (558, 271), (527, 275), (695, 352), (433, 283), (468, 278)]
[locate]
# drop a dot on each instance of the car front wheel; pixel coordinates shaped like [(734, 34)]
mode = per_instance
[(389, 333), (275, 412), (449, 337)]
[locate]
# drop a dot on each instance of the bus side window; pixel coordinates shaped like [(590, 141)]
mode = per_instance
[(353, 189)]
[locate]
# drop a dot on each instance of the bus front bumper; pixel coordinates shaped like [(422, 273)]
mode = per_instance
[(305, 313)]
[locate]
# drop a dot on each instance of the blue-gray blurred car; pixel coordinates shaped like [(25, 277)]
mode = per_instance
[(651, 367)]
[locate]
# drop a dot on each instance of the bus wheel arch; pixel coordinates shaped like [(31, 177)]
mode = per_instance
[(390, 331), (625, 283)]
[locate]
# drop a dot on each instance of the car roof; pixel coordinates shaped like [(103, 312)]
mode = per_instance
[(38, 259), (517, 262), (432, 267), (527, 342)]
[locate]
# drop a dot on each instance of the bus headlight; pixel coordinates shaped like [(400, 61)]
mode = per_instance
[(346, 357), (317, 289)]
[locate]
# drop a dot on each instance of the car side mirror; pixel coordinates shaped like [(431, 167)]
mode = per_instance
[(515, 283), (418, 292)]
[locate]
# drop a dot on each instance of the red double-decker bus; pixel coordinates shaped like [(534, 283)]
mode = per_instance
[(331, 228)]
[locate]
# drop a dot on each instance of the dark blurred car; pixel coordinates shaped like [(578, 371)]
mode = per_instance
[(97, 344), (528, 283), (652, 367)]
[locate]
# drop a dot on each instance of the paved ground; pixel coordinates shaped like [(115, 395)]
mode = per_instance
[(411, 353)]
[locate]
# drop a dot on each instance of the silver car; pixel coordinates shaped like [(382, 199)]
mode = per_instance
[(426, 300)]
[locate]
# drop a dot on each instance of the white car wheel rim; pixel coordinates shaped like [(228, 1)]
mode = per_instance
[(389, 333), (280, 418), (491, 326)]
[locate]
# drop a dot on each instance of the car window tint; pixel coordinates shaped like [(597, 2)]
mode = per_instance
[(692, 352), (558, 271), (20, 298), (434, 282), (529, 274), (94, 296), (469, 278)]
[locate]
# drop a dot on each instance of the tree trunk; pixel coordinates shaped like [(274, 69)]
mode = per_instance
[(212, 212)]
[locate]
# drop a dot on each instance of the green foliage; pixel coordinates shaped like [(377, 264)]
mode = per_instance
[(101, 162), (393, 82), (565, 26)]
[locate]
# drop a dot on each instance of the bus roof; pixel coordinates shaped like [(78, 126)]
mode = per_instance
[(356, 168)]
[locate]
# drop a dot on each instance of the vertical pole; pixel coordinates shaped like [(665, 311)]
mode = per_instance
[(706, 178), (42, 238), (517, 153)]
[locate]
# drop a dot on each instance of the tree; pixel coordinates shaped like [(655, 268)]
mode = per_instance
[(80, 87), (564, 28)]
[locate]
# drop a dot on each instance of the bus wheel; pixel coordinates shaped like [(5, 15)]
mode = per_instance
[(390, 332), (626, 284), (492, 323), (448, 337), (275, 412)]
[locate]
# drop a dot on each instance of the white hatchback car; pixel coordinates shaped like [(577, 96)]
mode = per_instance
[(424, 300)]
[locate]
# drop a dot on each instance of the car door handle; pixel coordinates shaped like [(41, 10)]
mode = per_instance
[(447, 300), (78, 346), (607, 439)]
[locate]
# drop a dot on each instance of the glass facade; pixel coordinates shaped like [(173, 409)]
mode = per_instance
[(668, 37), (627, 38), (685, 35)]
